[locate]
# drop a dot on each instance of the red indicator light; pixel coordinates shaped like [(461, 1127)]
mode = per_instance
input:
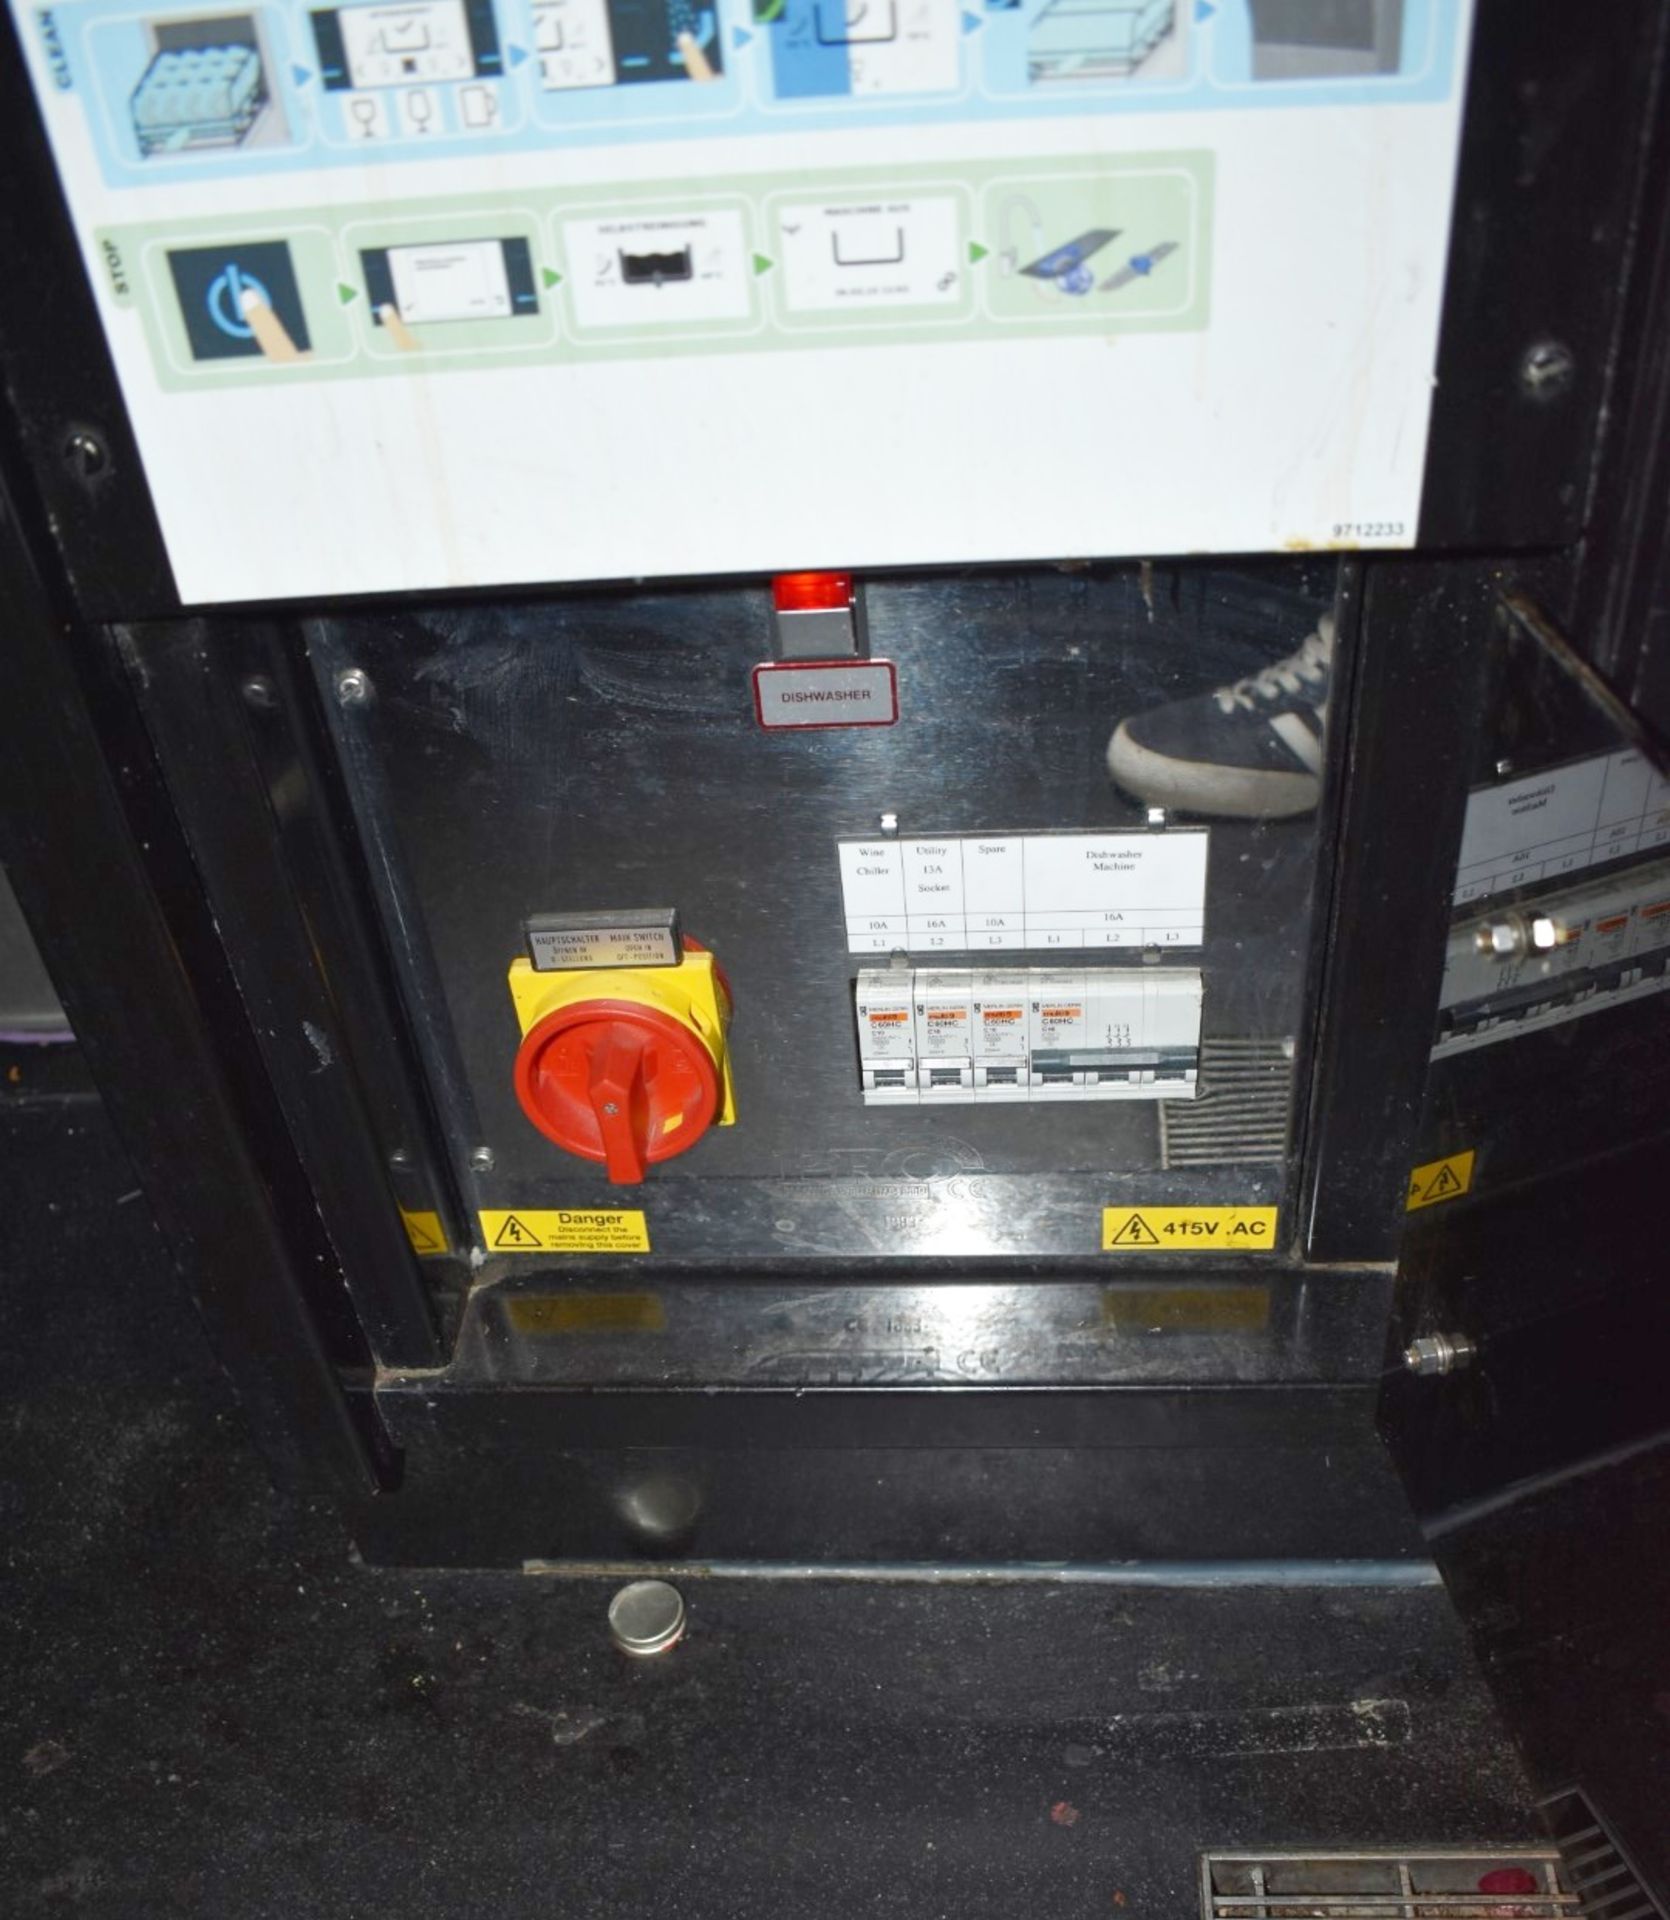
[(811, 592)]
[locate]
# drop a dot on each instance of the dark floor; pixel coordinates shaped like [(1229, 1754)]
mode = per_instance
[(209, 1709)]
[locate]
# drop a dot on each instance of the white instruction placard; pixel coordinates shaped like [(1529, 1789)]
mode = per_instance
[(1559, 821), (1050, 891), (421, 294)]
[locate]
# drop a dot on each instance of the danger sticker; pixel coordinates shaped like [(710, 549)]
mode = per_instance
[(1439, 1180), (423, 1230), (563, 1230), (826, 693), (1188, 1229)]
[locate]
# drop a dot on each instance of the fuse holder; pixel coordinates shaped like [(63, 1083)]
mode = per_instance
[(625, 1065)]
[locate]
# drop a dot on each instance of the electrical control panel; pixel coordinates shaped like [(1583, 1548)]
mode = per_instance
[(1576, 951), (959, 992)]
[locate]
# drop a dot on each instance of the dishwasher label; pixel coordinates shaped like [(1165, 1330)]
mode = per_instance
[(826, 693)]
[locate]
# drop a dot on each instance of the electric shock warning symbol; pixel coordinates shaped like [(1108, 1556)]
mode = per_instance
[(564, 1230), (515, 1237), (1445, 1179), (1188, 1229), (1136, 1232)]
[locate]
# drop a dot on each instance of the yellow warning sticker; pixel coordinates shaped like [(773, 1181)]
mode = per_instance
[(1446, 1179), (424, 1230), (1188, 1229), (586, 1313), (564, 1230)]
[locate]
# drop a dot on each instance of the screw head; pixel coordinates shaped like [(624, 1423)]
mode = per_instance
[(258, 692), (85, 455), (1547, 369), (400, 1160), (481, 1161), (353, 688)]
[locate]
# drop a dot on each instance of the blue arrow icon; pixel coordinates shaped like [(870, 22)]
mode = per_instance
[(515, 55), (301, 75), (1142, 263), (972, 23), (740, 37), (1204, 9)]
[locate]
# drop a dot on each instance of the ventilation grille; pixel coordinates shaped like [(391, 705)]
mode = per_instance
[(1239, 1112), (1597, 1868), (1391, 1884)]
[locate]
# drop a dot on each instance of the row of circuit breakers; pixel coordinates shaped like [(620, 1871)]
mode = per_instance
[(1027, 1033)]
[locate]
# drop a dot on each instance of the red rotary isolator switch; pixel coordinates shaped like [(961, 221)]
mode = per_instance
[(626, 1066)]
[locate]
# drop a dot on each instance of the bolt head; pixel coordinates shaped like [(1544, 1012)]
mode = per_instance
[(258, 692), (1547, 369), (85, 455), (481, 1161), (353, 688)]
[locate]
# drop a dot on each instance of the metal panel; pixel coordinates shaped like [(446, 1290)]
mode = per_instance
[(135, 956), (598, 753)]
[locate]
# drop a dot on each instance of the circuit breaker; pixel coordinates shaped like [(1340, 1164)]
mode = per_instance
[(1028, 1034)]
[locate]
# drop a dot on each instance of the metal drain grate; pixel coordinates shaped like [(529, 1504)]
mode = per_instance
[(1239, 1112), (1597, 1868), (1405, 1883)]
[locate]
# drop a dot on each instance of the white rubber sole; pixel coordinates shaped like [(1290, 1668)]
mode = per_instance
[(1195, 786)]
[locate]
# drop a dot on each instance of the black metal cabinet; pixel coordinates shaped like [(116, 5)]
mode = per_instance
[(321, 829)]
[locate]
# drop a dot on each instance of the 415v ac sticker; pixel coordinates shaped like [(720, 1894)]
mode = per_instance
[(1188, 1229)]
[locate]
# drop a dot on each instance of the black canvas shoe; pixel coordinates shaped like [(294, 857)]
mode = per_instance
[(1251, 751)]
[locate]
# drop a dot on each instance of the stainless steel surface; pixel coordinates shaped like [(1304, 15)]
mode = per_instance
[(1193, 1575), (601, 752), (1439, 1353), (1415, 1883), (1598, 1870), (817, 633), (1263, 1329), (646, 1617)]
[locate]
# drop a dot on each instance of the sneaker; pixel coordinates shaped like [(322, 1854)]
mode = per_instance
[(1250, 751)]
